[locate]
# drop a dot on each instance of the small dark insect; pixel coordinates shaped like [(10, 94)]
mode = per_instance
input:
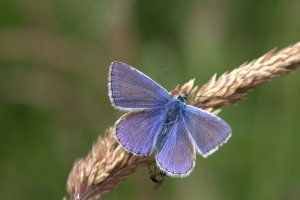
[(157, 176)]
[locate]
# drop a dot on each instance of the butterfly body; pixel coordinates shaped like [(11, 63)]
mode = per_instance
[(160, 124), (173, 109), (170, 112)]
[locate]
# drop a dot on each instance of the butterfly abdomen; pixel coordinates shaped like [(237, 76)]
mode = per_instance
[(171, 113)]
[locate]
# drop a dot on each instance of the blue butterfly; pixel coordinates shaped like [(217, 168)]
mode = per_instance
[(160, 124)]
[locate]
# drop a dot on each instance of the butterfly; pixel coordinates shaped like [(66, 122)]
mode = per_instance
[(160, 124)]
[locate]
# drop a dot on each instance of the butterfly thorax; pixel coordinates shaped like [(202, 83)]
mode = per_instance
[(172, 109)]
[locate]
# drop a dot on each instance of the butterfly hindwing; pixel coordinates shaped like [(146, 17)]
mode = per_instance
[(207, 130), (130, 89), (177, 155), (137, 131)]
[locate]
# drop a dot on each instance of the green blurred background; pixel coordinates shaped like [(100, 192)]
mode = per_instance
[(54, 58)]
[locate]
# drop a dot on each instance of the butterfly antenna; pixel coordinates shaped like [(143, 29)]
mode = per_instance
[(170, 78)]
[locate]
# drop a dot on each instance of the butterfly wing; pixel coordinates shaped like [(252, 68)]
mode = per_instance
[(130, 89), (207, 130), (136, 131), (177, 155)]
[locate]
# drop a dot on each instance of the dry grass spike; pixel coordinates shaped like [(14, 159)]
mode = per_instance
[(107, 164)]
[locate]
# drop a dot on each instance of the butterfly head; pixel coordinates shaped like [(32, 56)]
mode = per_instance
[(182, 97), (181, 94)]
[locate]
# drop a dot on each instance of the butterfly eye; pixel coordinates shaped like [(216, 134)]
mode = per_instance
[(182, 97)]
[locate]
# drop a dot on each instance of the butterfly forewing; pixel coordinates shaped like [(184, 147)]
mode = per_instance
[(207, 130), (130, 89), (177, 155), (137, 131)]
